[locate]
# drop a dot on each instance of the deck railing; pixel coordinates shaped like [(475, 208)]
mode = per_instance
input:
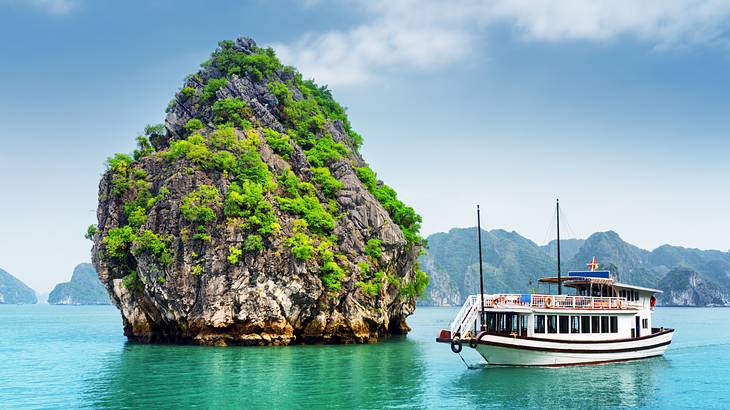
[(469, 312), (556, 301)]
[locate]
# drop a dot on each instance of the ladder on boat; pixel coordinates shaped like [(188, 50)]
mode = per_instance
[(466, 318)]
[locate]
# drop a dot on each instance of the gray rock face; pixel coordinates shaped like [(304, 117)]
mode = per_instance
[(685, 287), (269, 296), (14, 291), (83, 289)]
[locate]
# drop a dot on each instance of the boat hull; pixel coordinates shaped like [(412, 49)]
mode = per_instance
[(521, 351)]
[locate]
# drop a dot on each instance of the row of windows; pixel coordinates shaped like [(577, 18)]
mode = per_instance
[(630, 295), (576, 324)]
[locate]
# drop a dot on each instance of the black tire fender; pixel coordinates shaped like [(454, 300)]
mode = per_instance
[(456, 346), (473, 343)]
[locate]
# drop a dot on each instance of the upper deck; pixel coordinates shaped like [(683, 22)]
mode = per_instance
[(539, 301)]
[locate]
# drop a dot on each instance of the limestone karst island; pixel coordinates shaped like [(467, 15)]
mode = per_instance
[(251, 218)]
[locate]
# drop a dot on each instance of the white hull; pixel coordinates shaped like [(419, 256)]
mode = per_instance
[(513, 351)]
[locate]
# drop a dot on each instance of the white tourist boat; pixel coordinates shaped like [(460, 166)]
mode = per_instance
[(602, 321)]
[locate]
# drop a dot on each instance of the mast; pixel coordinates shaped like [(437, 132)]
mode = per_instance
[(481, 273), (557, 213)]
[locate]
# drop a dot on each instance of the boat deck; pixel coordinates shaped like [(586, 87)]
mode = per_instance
[(470, 310)]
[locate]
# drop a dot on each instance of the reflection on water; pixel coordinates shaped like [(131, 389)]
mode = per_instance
[(615, 385), (271, 377)]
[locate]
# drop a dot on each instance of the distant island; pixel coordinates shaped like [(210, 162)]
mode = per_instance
[(512, 263), (85, 288), (14, 291)]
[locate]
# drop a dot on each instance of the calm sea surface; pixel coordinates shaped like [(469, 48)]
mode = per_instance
[(70, 357)]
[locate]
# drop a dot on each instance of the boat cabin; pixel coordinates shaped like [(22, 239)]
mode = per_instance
[(596, 307)]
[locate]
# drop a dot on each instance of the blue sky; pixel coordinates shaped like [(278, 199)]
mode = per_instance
[(620, 110)]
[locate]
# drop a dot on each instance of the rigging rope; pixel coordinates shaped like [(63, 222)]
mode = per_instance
[(549, 229), (567, 223)]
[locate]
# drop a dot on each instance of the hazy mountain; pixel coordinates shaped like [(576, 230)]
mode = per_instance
[(13, 290), (83, 289), (686, 287), (568, 248), (42, 297), (511, 263), (713, 264), (608, 247), (514, 264)]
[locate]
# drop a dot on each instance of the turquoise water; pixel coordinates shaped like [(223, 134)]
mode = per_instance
[(63, 356)]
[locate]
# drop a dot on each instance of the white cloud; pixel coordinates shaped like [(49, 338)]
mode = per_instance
[(48, 6), (428, 34)]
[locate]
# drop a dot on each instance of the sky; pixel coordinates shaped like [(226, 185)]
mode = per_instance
[(620, 108)]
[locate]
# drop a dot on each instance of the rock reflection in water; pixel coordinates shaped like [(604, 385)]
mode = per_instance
[(259, 377)]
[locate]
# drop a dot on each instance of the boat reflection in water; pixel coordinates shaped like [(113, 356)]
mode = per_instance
[(626, 384)]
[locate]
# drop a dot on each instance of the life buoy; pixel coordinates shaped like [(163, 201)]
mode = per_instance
[(456, 346), (549, 302), (473, 343), (652, 302), (502, 299)]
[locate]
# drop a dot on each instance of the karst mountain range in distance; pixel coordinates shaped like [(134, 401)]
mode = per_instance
[(513, 263)]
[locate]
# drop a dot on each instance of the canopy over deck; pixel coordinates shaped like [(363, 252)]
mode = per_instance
[(577, 279)]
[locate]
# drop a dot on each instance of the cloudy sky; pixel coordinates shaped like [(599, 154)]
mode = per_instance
[(620, 108)]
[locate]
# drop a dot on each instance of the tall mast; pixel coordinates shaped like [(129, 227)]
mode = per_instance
[(481, 273), (557, 213)]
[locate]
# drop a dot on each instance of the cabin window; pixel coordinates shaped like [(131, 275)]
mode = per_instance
[(491, 322), (575, 324), (563, 321), (636, 295), (552, 324), (585, 322), (644, 323), (604, 324), (596, 324), (540, 324), (523, 325)]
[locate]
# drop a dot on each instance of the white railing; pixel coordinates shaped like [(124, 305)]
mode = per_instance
[(469, 312), (467, 315), (555, 301)]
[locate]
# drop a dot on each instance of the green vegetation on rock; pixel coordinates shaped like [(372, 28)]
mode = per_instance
[(255, 168), (408, 220)]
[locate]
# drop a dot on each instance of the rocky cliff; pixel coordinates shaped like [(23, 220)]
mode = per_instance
[(14, 291), (251, 218), (685, 287), (83, 289)]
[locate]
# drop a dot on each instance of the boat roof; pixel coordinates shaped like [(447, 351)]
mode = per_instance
[(627, 286), (575, 279)]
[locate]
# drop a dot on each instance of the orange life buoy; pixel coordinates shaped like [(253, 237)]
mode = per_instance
[(652, 302), (549, 302)]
